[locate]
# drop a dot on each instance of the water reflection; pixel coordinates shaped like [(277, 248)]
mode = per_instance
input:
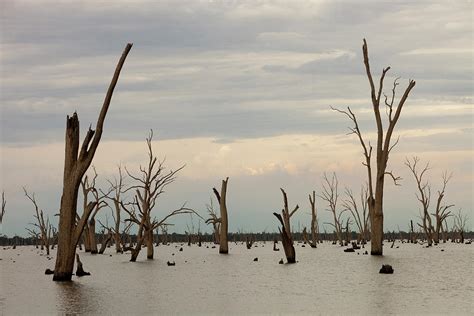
[(75, 298)]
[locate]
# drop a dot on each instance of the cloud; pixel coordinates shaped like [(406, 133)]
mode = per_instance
[(248, 82)]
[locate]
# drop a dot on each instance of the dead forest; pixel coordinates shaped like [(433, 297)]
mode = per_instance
[(134, 221)]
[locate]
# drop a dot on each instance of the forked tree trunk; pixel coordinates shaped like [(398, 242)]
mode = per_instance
[(383, 147), (221, 198), (285, 230), (75, 166)]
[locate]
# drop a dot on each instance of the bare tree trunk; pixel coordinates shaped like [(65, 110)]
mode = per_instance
[(149, 244), (285, 231), (383, 148), (75, 166), (105, 241), (221, 198), (92, 239), (314, 221)]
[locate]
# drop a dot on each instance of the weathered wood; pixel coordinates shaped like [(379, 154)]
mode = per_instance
[(80, 270), (76, 164), (383, 148), (223, 221), (285, 230), (149, 186)]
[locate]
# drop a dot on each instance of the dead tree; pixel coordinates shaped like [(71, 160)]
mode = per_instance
[(34, 235), (314, 223), (76, 163), (285, 230), (424, 197), (442, 211), (89, 188), (106, 237), (116, 189), (223, 220), (43, 225), (150, 184), (330, 195), (361, 217), (460, 224), (215, 221), (4, 204), (412, 233), (384, 147)]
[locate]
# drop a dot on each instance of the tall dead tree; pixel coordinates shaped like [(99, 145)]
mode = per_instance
[(76, 163), (149, 185), (442, 211), (361, 217), (424, 197), (43, 225), (330, 195), (314, 223), (285, 230), (383, 149), (116, 189), (223, 220)]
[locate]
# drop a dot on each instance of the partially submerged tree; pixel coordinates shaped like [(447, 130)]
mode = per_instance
[(330, 195), (314, 223), (150, 184), (223, 220), (215, 221), (424, 196), (460, 224), (383, 149), (43, 225), (361, 217), (117, 188), (285, 230), (76, 163), (89, 187)]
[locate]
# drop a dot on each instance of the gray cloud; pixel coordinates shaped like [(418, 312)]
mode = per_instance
[(232, 70)]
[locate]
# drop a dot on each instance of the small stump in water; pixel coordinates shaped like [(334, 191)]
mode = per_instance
[(171, 263), (80, 271), (255, 259), (281, 261), (49, 271), (349, 250), (386, 269)]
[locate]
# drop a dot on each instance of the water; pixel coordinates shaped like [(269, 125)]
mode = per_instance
[(325, 281)]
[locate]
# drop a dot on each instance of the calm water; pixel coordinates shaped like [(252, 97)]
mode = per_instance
[(325, 281)]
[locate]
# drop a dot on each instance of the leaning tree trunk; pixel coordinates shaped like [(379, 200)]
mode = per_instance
[(105, 241), (221, 198), (76, 164)]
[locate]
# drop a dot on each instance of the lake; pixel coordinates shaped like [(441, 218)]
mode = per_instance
[(325, 281)]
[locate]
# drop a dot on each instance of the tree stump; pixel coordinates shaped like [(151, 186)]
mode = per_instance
[(386, 269), (79, 270)]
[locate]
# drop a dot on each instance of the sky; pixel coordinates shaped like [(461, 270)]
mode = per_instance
[(238, 89)]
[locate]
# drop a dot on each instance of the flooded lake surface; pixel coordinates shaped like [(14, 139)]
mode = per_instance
[(324, 281)]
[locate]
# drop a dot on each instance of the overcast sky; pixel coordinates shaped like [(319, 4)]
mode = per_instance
[(239, 89)]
